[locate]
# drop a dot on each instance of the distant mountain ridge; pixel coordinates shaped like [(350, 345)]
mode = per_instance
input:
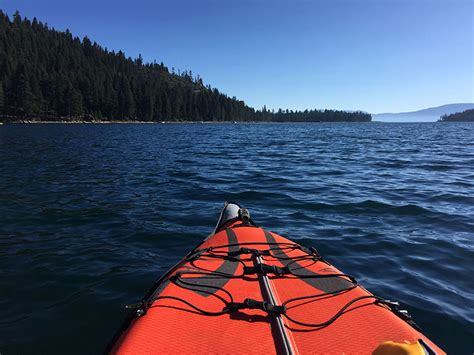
[(431, 114)]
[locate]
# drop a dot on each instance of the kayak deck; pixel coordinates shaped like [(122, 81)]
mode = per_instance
[(247, 290)]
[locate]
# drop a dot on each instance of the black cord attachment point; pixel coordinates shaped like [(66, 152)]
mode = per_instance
[(253, 304), (265, 269), (402, 313), (140, 308), (255, 252)]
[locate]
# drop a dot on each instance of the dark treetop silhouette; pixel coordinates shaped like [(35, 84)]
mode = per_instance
[(48, 75), (464, 116)]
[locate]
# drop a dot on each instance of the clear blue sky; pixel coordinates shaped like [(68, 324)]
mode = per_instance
[(373, 55)]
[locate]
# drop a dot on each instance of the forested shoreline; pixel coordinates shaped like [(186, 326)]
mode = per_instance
[(49, 75), (464, 116)]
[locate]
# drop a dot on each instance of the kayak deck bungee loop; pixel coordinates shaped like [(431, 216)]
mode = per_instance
[(265, 292), (181, 280)]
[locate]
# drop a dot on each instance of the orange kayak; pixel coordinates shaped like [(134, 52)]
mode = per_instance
[(245, 289)]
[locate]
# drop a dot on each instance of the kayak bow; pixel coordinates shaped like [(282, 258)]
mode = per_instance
[(248, 290)]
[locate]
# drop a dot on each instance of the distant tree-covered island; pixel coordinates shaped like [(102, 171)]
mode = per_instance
[(49, 75), (465, 116)]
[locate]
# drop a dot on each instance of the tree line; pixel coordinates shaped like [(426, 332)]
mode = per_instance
[(52, 75), (464, 116)]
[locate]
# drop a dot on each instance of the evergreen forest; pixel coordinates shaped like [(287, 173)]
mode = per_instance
[(50, 75)]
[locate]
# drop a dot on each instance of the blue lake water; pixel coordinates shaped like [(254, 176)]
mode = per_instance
[(91, 215)]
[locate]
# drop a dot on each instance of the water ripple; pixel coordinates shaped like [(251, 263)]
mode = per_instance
[(93, 214)]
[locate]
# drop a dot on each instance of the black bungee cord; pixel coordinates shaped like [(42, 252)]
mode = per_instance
[(184, 279)]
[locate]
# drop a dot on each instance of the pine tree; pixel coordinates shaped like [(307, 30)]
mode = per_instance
[(2, 100), (176, 106), (20, 96), (166, 108), (148, 106), (76, 103), (126, 101)]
